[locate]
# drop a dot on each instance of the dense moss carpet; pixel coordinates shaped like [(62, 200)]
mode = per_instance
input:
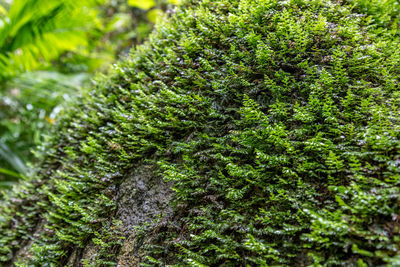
[(277, 122)]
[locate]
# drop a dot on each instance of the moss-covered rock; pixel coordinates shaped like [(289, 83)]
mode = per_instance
[(275, 123)]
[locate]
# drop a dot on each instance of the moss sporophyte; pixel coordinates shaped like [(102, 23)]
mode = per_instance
[(270, 127)]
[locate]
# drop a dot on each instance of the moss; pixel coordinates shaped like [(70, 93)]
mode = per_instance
[(276, 122)]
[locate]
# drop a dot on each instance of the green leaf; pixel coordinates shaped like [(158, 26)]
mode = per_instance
[(10, 173), (154, 14), (12, 158), (143, 4), (3, 11), (174, 2)]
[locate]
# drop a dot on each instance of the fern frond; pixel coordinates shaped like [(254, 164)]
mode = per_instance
[(37, 31)]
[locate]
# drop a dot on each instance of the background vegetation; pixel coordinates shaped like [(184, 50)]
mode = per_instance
[(49, 50)]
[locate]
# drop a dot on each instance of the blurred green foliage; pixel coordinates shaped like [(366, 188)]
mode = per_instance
[(27, 109), (49, 49), (35, 32)]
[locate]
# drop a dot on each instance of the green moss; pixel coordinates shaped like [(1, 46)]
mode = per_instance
[(277, 122)]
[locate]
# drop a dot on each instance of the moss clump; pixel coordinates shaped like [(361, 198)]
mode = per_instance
[(277, 122)]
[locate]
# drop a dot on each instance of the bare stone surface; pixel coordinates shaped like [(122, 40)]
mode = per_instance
[(143, 198)]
